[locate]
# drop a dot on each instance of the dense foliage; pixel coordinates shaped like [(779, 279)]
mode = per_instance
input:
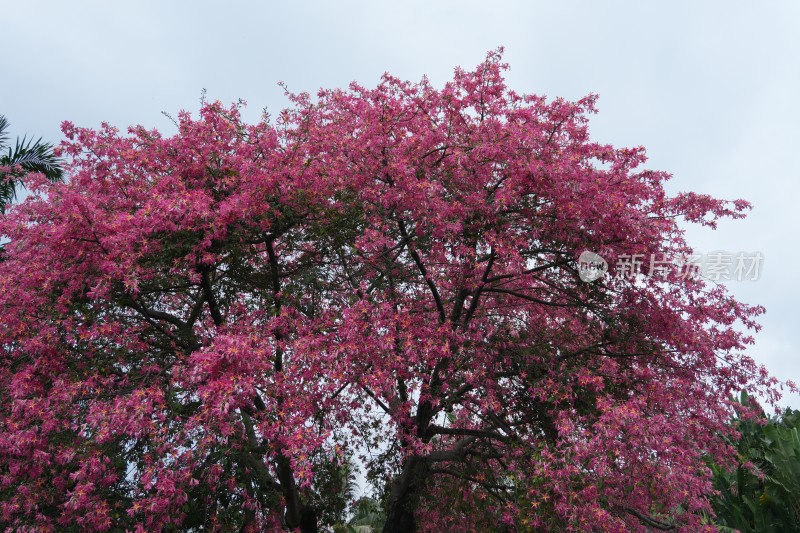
[(198, 329), (762, 494)]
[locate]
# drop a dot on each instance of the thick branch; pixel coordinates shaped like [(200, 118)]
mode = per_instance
[(377, 400), (652, 522), (457, 453), (473, 305), (526, 297), (533, 270), (136, 306), (473, 479), (208, 294), (275, 278), (260, 470), (422, 270), (484, 433)]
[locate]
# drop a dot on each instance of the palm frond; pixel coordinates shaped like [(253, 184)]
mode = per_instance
[(8, 192), (34, 156), (29, 156), (3, 132)]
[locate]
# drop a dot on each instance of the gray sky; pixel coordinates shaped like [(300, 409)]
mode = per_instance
[(710, 88)]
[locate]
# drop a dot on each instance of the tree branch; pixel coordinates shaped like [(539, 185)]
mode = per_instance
[(418, 261), (485, 433), (208, 293), (473, 305), (647, 520), (526, 297), (457, 453)]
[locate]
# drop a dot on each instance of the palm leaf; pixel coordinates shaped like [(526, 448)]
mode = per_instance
[(35, 156), (27, 155), (3, 133), (7, 191)]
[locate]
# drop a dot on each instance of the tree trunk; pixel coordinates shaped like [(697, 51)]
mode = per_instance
[(308, 520), (298, 514), (404, 497)]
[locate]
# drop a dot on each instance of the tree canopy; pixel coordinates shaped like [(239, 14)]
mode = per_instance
[(198, 329)]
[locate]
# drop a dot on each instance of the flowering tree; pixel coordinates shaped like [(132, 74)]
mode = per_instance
[(194, 326)]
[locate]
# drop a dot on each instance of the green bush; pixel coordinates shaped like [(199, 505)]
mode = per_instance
[(762, 494)]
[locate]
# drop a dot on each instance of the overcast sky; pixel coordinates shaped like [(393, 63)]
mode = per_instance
[(711, 89)]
